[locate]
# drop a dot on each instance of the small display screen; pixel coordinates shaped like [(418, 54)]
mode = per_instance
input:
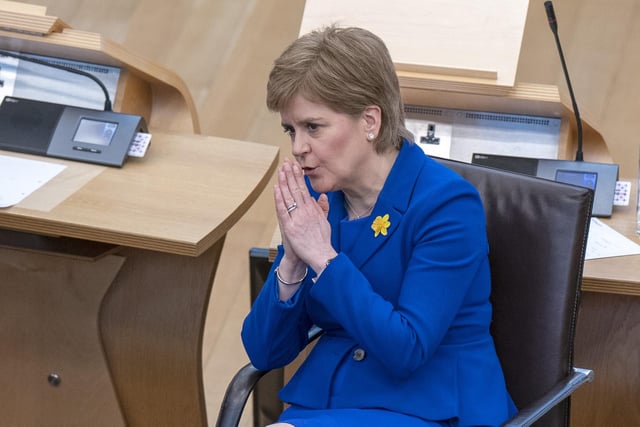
[(583, 179), (95, 132)]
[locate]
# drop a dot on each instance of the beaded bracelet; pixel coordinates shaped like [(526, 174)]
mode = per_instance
[(297, 282)]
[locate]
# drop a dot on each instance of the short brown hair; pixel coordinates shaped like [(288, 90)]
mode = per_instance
[(346, 69)]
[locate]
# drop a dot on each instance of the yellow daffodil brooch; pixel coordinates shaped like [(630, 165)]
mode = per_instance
[(380, 225)]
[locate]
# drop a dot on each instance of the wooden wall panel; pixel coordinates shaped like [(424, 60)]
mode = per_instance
[(223, 48), (602, 49)]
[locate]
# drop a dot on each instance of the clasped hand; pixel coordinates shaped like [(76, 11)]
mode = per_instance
[(306, 233)]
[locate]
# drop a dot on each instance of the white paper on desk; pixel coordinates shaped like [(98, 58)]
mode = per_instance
[(20, 177), (604, 242)]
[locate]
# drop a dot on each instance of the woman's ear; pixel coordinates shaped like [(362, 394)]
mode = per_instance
[(372, 117)]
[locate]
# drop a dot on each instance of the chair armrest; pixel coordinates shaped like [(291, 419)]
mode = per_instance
[(237, 394), (563, 389), (240, 388)]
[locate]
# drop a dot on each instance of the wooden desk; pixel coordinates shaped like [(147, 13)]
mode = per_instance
[(106, 275), (608, 333)]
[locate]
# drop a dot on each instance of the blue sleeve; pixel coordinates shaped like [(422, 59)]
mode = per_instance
[(274, 331)]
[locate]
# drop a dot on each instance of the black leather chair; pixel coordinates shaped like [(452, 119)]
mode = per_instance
[(537, 234)]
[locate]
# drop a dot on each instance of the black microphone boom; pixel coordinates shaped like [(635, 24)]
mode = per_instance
[(107, 99), (553, 23), (600, 177)]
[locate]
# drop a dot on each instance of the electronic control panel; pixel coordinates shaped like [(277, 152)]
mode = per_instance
[(48, 129), (600, 177)]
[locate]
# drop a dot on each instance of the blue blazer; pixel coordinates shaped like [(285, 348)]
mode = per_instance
[(406, 313)]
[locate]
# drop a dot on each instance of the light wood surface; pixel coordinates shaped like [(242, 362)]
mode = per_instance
[(223, 49), (64, 296), (120, 329), (181, 198), (617, 275), (601, 48), (607, 341), (439, 38), (128, 257)]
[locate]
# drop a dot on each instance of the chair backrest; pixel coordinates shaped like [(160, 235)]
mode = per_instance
[(537, 232)]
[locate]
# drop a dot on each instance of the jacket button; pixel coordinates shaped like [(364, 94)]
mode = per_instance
[(359, 355)]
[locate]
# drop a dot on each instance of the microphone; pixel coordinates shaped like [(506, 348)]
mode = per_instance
[(107, 99), (551, 16), (553, 24), (600, 177)]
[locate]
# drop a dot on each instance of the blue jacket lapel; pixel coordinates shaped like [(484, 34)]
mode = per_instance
[(393, 200)]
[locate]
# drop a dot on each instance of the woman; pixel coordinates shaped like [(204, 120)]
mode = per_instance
[(382, 248)]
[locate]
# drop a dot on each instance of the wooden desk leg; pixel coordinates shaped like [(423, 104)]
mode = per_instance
[(122, 330), (152, 324), (608, 341)]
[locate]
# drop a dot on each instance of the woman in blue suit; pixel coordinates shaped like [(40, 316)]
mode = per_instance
[(382, 247)]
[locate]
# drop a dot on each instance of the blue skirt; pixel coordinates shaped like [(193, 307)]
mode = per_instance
[(304, 417)]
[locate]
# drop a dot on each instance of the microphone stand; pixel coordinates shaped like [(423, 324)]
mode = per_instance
[(553, 23)]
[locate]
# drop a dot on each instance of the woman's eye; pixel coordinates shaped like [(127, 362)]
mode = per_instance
[(289, 131), (312, 127)]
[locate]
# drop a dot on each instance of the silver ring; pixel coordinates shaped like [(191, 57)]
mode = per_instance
[(292, 207)]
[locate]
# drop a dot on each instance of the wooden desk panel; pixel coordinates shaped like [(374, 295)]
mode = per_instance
[(181, 198), (608, 333), (617, 275), (608, 341), (107, 275), (48, 327)]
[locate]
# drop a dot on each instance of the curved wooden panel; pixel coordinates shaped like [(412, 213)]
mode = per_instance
[(152, 323), (49, 316)]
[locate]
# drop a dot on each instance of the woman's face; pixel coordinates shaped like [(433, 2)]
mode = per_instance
[(331, 147)]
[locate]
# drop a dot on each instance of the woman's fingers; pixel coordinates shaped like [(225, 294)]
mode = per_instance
[(292, 186), (297, 185), (323, 203), (278, 198), (287, 199), (302, 220)]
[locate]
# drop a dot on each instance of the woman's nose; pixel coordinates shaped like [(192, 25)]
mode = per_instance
[(299, 145)]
